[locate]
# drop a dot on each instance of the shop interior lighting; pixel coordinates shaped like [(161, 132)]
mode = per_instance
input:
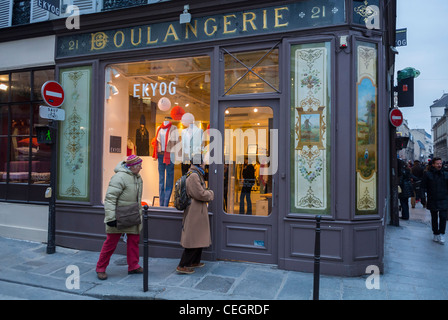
[(3, 87), (115, 73), (185, 17), (114, 89), (110, 88)]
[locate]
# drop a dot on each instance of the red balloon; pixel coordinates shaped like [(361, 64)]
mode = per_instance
[(177, 112)]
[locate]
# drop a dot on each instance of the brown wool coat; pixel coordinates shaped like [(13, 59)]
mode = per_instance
[(195, 224)]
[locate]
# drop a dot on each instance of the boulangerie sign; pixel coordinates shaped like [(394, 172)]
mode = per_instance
[(262, 21)]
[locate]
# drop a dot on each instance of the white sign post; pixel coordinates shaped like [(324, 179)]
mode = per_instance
[(51, 113)]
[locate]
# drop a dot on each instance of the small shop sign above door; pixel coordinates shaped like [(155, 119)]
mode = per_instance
[(276, 19)]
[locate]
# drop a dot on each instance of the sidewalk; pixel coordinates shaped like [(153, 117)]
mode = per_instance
[(415, 268)]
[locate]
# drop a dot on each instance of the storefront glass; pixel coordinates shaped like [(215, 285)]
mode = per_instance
[(247, 182), (310, 128), (251, 72), (22, 159), (159, 111)]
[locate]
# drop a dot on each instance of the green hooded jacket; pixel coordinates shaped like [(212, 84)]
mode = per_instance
[(125, 188)]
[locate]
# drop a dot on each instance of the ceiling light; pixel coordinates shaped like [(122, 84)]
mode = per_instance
[(255, 110), (115, 73), (114, 89)]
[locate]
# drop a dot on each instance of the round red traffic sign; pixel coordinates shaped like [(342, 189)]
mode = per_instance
[(53, 93), (396, 117)]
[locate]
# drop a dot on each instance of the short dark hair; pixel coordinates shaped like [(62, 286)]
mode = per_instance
[(435, 159)]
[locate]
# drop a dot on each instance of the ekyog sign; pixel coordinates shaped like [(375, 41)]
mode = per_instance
[(53, 6)]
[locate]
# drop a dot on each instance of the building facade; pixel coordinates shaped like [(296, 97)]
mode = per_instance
[(440, 129), (296, 92)]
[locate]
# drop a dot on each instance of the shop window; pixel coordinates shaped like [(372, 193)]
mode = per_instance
[(152, 107), (310, 128), (247, 187), (4, 87), (23, 160), (21, 86), (251, 71)]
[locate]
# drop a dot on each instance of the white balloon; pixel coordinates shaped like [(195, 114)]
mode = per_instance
[(164, 104), (187, 119)]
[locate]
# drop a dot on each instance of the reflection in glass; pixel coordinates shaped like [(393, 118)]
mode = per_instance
[(166, 107), (251, 72), (20, 86), (247, 190)]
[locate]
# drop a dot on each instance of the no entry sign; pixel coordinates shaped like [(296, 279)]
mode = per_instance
[(396, 117), (53, 94)]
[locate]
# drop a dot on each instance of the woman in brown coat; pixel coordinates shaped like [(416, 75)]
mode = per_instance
[(195, 224)]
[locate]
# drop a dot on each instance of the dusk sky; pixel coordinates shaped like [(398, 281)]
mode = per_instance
[(426, 51)]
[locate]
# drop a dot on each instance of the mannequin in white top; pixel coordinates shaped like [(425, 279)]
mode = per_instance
[(191, 143)]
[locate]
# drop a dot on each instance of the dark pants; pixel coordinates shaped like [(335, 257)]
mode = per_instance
[(404, 208), (245, 194), (438, 221), (190, 257)]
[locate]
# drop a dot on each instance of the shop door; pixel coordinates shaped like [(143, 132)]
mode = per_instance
[(247, 215)]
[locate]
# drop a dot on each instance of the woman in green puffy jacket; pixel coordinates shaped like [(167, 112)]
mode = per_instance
[(125, 188)]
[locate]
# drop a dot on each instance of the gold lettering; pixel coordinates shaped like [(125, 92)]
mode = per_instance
[(194, 30), (149, 38), (206, 27), (171, 32), (251, 20), (99, 41), (115, 38), (279, 16), (227, 23), (265, 20), (139, 37)]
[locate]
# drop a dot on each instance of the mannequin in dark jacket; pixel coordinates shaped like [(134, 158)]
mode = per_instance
[(407, 191), (435, 182)]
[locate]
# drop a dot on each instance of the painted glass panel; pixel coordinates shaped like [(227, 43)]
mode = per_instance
[(74, 135), (366, 129), (310, 128)]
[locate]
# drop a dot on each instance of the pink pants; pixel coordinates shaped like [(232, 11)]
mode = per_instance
[(109, 247)]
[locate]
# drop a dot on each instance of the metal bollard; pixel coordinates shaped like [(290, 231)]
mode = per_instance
[(317, 260), (145, 248)]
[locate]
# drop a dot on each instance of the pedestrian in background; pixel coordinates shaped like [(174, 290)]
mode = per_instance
[(248, 175), (435, 182), (407, 190), (195, 225), (125, 188), (417, 171)]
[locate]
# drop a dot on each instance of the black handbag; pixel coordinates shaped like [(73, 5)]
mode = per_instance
[(128, 216)]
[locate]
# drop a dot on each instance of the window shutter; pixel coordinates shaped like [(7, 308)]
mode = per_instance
[(86, 6), (37, 13), (5, 13)]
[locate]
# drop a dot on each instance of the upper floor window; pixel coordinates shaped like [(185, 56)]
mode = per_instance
[(251, 71)]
